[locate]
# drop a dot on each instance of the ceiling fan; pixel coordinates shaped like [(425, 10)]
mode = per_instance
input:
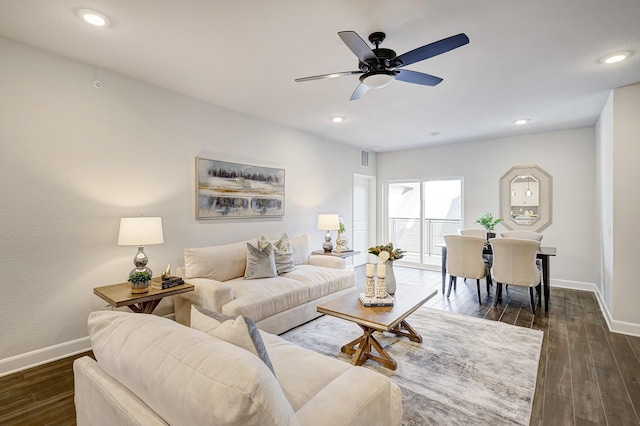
[(379, 66)]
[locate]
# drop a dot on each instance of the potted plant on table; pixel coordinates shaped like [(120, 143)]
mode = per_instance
[(387, 254), (140, 282), (341, 242), (489, 223)]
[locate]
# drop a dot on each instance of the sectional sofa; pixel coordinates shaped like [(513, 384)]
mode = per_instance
[(153, 371), (276, 302)]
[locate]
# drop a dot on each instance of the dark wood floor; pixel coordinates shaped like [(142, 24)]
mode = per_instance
[(586, 375)]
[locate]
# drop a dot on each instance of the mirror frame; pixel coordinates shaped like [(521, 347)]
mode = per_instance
[(545, 190)]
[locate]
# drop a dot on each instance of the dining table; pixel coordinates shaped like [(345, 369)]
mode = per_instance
[(543, 254)]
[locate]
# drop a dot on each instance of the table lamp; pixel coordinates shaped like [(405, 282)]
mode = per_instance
[(328, 222), (140, 231)]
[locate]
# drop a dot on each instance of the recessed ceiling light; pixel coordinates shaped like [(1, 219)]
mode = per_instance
[(337, 119), (93, 17), (615, 57), (432, 134), (521, 121)]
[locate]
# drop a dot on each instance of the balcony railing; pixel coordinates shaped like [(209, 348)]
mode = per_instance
[(405, 233)]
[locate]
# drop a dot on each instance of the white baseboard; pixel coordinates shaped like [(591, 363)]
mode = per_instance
[(574, 285), (614, 326), (50, 354), (43, 356)]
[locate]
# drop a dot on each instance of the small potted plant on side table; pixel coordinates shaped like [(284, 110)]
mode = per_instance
[(140, 282), (489, 223)]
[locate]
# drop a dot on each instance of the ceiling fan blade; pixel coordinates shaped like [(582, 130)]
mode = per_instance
[(433, 49), (332, 75), (359, 92), (417, 77), (358, 46)]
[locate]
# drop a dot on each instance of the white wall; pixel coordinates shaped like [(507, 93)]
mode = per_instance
[(604, 201), (626, 204), (617, 149), (74, 159), (568, 156)]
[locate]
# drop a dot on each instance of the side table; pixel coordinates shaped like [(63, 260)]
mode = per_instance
[(118, 295), (342, 254)]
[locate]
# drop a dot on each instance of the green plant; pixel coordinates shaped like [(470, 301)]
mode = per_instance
[(488, 222), (394, 254), (140, 277), (342, 229)]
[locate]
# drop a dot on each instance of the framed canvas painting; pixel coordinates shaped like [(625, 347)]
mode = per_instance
[(232, 190)]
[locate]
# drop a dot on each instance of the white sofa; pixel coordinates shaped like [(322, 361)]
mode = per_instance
[(153, 371), (275, 304)]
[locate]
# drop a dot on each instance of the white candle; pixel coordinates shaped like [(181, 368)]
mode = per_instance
[(382, 270), (369, 270)]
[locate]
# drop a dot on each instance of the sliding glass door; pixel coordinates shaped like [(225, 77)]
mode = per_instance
[(420, 214)]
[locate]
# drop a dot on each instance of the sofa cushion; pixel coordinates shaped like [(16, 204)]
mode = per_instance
[(301, 249), (301, 372), (220, 263), (240, 331), (322, 281), (261, 262), (282, 251), (184, 375), (264, 297)]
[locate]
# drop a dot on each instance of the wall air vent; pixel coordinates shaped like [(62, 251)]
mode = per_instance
[(364, 158)]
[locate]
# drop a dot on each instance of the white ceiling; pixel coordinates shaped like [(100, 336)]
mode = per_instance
[(532, 59)]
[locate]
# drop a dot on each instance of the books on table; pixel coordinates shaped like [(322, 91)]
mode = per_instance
[(374, 301), (167, 283)]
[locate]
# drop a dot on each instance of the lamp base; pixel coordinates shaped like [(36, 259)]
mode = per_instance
[(327, 246), (140, 260)]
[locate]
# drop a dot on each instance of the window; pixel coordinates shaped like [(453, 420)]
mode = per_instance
[(420, 214)]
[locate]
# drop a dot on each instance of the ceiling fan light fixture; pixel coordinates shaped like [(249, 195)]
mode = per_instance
[(377, 79)]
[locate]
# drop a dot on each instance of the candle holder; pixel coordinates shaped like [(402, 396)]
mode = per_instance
[(370, 287), (381, 288)]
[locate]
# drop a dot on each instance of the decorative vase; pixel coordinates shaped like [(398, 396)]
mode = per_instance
[(391, 278), (139, 287)]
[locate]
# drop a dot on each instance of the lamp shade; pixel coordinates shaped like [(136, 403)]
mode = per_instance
[(328, 222), (140, 231)]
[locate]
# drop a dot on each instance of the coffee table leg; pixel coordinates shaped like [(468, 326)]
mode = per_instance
[(360, 348), (404, 329)]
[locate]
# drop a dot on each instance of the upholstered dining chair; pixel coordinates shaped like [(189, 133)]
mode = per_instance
[(525, 235), (478, 233), (514, 263), (464, 259), (474, 232)]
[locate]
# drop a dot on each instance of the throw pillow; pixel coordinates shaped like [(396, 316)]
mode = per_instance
[(282, 251), (240, 331), (301, 249), (260, 263)]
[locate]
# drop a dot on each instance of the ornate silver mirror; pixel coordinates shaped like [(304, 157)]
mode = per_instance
[(525, 198)]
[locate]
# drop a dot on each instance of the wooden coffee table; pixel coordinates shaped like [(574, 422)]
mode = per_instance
[(392, 319)]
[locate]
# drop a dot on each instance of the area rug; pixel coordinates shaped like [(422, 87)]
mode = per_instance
[(466, 371)]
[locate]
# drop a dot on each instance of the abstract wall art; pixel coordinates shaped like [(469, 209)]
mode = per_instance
[(232, 190)]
